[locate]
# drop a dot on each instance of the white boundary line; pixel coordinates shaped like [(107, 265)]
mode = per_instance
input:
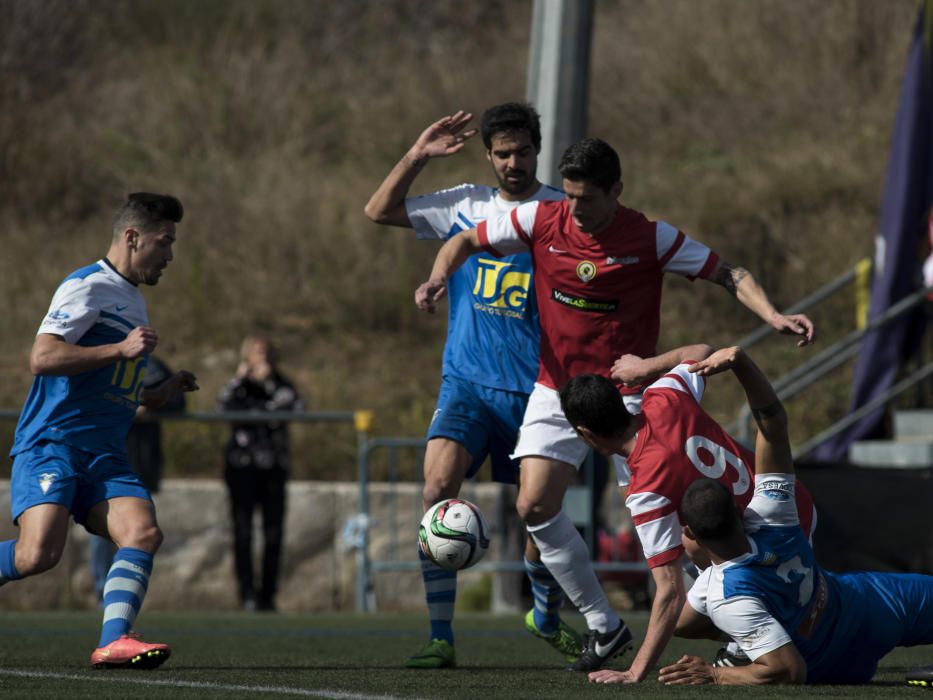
[(206, 685)]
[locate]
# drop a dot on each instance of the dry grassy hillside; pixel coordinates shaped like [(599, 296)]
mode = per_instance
[(760, 127)]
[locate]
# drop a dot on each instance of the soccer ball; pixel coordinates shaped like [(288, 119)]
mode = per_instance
[(454, 534)]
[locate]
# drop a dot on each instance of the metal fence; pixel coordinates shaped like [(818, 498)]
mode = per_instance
[(402, 456), (402, 518)]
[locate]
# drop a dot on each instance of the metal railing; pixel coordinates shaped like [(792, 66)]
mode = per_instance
[(236, 416), (809, 301), (803, 376), (368, 567), (398, 523), (908, 382), (740, 426)]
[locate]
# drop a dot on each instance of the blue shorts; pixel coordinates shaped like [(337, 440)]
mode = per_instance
[(53, 472), (485, 421)]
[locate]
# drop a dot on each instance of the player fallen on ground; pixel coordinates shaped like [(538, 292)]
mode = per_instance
[(69, 451), (491, 353), (669, 445), (598, 272), (797, 622)]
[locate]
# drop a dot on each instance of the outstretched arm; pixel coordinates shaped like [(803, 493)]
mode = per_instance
[(632, 370), (449, 259), (783, 665), (443, 138), (665, 609), (740, 283), (772, 446)]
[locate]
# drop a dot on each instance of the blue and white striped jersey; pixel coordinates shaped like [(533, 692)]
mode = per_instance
[(493, 334), (777, 593), (93, 410)]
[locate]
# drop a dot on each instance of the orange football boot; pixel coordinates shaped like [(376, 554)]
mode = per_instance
[(129, 651)]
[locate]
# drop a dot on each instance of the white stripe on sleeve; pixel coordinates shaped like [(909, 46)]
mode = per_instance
[(688, 259)]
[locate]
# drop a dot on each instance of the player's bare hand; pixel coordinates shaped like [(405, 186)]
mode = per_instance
[(689, 670), (794, 324), (631, 370), (444, 137), (429, 293), (606, 676), (720, 361), (140, 341)]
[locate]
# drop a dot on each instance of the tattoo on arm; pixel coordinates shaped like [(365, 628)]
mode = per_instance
[(418, 163), (729, 277), (768, 411)]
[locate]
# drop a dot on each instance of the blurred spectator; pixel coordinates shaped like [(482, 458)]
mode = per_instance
[(144, 452), (257, 463)]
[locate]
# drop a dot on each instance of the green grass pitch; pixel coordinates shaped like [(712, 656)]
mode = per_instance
[(344, 657)]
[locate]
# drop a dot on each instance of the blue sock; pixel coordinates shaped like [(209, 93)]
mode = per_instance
[(124, 592), (8, 570), (548, 595), (440, 589)]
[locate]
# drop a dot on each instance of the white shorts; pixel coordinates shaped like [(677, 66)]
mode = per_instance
[(547, 433)]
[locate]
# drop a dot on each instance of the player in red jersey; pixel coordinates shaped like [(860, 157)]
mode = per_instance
[(669, 445), (598, 273)]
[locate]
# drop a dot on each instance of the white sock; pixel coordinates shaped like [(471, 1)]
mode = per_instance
[(564, 553)]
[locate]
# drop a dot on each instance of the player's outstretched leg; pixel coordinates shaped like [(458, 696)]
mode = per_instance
[(124, 593), (564, 553), (440, 589), (543, 620)]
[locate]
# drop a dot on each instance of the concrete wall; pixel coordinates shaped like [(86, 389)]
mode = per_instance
[(194, 568)]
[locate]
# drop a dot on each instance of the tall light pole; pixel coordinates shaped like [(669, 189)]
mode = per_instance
[(558, 76)]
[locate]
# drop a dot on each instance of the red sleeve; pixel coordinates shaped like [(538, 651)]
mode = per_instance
[(711, 262)]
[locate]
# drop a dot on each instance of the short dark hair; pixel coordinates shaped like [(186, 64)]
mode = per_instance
[(591, 160), (708, 508), (594, 402), (145, 211), (508, 117)]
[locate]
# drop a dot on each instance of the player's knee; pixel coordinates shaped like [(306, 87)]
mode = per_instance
[(532, 511), (145, 537), (34, 559), (437, 488), (151, 538)]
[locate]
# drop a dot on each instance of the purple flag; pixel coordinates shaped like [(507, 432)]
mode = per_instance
[(908, 195)]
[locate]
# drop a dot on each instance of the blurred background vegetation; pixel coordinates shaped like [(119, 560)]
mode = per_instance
[(761, 128)]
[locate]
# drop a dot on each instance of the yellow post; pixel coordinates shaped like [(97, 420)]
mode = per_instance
[(862, 292), (363, 420)]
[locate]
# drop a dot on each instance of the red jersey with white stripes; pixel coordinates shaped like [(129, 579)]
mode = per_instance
[(678, 444), (599, 296)]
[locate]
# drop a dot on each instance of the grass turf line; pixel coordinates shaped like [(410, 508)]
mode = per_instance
[(223, 655)]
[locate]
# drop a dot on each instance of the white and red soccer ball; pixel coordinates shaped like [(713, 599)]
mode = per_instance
[(454, 534)]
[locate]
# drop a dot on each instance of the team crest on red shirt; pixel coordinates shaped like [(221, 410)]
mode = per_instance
[(586, 270)]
